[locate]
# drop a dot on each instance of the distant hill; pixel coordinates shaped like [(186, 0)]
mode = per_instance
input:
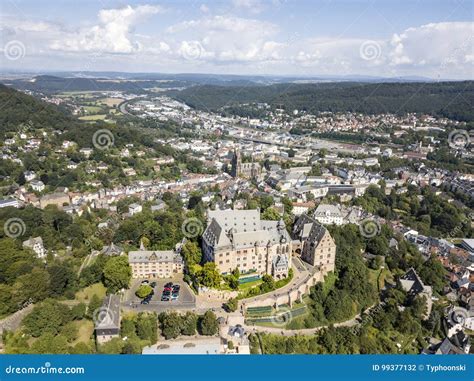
[(448, 99), (51, 84), (17, 108)]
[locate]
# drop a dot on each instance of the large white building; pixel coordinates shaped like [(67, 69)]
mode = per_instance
[(155, 263), (240, 239), (329, 214)]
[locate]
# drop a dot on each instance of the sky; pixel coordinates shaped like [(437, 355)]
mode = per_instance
[(430, 38)]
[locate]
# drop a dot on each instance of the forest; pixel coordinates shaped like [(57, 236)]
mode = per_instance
[(396, 98)]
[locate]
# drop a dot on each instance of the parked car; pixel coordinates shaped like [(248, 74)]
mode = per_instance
[(176, 287), (169, 284), (174, 297), (165, 298)]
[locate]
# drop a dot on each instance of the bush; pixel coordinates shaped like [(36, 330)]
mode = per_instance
[(143, 291)]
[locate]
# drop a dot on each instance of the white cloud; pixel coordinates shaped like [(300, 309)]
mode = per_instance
[(226, 38), (433, 44), (112, 35), (253, 6), (227, 43)]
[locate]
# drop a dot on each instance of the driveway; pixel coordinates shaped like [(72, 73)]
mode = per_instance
[(186, 299)]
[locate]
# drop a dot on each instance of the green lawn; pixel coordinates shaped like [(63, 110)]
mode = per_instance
[(385, 274), (92, 109), (85, 330), (246, 286), (86, 294), (93, 117)]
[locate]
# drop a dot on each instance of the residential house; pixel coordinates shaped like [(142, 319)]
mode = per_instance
[(107, 319), (35, 244)]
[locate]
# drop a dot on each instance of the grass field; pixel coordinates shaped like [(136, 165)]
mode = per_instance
[(111, 102), (246, 286), (86, 294), (92, 109), (385, 274), (93, 117), (85, 329)]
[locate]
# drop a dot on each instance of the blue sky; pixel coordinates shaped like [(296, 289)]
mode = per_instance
[(322, 37)]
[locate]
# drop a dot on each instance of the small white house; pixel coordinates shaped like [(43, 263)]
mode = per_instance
[(134, 209), (35, 244), (37, 185)]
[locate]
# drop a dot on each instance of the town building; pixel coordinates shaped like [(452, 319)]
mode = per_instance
[(35, 244), (134, 209), (112, 250), (107, 319), (58, 198), (248, 170), (328, 214), (155, 263), (9, 202), (240, 239), (314, 244), (414, 286), (37, 185)]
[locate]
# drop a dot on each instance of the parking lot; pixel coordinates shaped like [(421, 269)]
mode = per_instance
[(186, 299)]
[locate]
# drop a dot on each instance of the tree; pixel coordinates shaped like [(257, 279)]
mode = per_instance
[(208, 324), (170, 325), (231, 305), (147, 327), (117, 274), (94, 304), (189, 324), (47, 317), (268, 283), (61, 278), (78, 311), (209, 276), (48, 343), (191, 253), (34, 286), (127, 328), (271, 214), (433, 273), (143, 291)]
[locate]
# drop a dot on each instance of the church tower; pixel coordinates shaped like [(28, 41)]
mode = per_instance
[(236, 164)]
